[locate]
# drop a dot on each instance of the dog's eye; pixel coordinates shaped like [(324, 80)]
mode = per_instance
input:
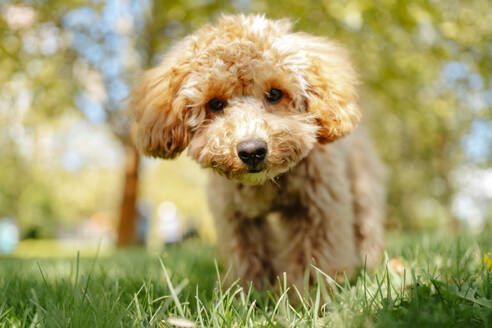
[(216, 105), (274, 95)]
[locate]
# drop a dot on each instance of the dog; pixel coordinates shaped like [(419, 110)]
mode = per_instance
[(273, 113)]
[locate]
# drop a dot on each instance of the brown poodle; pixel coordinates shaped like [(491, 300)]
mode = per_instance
[(265, 108)]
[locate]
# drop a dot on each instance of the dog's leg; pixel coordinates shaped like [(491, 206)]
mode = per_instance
[(244, 245), (315, 237), (368, 188), (320, 231)]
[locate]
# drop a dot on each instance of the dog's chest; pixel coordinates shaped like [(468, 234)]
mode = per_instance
[(258, 201)]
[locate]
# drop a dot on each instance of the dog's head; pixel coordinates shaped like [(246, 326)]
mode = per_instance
[(248, 97)]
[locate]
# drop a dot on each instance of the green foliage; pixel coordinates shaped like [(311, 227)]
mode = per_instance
[(36, 88), (444, 283), (44, 70)]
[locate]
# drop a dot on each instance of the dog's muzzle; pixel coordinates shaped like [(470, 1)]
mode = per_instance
[(252, 152)]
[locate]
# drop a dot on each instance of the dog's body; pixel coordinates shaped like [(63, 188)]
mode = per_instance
[(265, 108), (327, 208)]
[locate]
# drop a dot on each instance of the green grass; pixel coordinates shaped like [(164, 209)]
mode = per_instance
[(444, 284)]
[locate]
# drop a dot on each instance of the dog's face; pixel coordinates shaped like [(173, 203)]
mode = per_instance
[(248, 98)]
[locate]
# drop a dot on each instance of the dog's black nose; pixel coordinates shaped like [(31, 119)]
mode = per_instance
[(252, 152)]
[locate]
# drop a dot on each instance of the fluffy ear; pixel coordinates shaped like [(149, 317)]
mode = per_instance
[(331, 93), (161, 115)]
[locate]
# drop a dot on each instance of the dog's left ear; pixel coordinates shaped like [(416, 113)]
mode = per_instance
[(161, 113), (331, 93)]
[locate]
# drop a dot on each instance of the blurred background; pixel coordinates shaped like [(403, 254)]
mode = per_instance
[(70, 177)]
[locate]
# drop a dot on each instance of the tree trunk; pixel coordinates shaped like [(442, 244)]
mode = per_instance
[(128, 213)]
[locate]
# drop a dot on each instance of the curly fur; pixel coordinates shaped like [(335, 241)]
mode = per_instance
[(317, 197)]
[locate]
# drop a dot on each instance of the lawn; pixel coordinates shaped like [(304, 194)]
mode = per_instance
[(426, 281)]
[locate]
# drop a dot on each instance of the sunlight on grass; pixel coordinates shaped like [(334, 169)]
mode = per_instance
[(55, 248), (183, 287)]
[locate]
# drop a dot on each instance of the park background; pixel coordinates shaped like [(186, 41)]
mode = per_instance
[(73, 188), (68, 169)]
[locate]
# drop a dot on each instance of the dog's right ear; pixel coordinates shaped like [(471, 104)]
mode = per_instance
[(331, 86), (161, 115)]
